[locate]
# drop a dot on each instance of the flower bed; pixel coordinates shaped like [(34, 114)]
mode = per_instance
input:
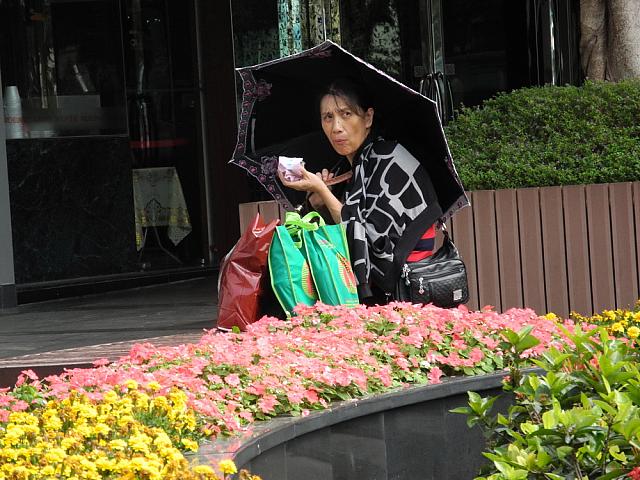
[(133, 418)]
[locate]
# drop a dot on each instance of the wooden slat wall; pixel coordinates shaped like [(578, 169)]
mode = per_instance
[(600, 249), (577, 241), (636, 208), (555, 252), (509, 251), (531, 247), (625, 268), (553, 249), (464, 238), (484, 223)]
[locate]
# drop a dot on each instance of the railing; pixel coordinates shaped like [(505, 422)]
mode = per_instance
[(553, 249)]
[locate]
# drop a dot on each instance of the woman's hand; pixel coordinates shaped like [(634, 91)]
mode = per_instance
[(313, 183), (314, 198), (325, 175)]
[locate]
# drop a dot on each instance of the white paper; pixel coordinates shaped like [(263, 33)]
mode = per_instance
[(291, 168)]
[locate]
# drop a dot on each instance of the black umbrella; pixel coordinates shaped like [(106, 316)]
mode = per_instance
[(280, 116)]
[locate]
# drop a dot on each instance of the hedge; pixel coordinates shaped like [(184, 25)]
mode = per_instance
[(543, 136)]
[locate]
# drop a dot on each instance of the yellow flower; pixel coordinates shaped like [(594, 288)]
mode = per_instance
[(51, 420), (13, 435), (190, 444), (161, 403), (55, 455), (203, 470), (227, 467), (103, 463), (48, 470), (154, 386), (551, 316), (126, 420), (117, 444), (101, 429), (131, 384), (617, 327), (110, 396), (633, 332), (140, 443)]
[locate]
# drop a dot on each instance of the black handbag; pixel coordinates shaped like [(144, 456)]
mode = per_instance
[(440, 279)]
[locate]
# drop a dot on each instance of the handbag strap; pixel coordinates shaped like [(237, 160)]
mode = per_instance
[(448, 248)]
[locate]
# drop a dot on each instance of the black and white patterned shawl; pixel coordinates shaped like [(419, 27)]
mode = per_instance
[(390, 204)]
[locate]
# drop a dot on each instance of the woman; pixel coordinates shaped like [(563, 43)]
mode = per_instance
[(389, 206)]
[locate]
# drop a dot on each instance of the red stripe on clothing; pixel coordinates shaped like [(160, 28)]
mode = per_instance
[(417, 255)]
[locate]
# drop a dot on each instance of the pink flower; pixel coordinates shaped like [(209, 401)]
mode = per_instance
[(295, 397), (434, 375), (634, 474), (402, 363), (248, 416), (267, 403), (311, 395), (30, 374), (19, 406), (232, 379), (342, 378), (476, 355)]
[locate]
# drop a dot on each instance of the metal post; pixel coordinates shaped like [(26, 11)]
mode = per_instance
[(8, 297)]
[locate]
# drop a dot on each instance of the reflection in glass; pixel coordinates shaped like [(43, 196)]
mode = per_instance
[(371, 30), (64, 59)]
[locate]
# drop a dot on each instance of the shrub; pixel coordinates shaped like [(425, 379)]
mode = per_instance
[(578, 420), (545, 136)]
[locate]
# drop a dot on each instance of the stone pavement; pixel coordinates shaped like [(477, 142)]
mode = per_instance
[(49, 336)]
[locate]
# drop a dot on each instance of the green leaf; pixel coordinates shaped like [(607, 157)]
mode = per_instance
[(615, 452), (511, 473), (553, 476), (564, 451), (511, 336), (526, 343), (613, 474)]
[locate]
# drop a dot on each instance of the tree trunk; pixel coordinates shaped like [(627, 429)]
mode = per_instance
[(610, 39), (624, 39), (593, 38)]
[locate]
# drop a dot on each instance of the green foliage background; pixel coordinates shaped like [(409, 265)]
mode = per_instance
[(545, 136)]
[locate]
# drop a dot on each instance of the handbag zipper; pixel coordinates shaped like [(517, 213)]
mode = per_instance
[(405, 274)]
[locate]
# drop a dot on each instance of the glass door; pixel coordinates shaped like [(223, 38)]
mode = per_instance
[(163, 100)]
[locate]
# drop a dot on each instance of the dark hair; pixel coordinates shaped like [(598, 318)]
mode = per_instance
[(354, 94)]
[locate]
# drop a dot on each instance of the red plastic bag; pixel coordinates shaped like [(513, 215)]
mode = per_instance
[(243, 276)]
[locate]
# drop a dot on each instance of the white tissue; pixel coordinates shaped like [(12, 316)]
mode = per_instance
[(291, 168)]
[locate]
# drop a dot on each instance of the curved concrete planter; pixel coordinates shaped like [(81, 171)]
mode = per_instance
[(407, 434)]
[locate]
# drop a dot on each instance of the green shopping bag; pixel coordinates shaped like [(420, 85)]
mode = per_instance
[(327, 252), (290, 273)]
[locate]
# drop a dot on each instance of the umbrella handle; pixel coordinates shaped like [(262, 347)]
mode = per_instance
[(340, 178)]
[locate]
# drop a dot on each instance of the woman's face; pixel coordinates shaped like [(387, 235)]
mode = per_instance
[(345, 127)]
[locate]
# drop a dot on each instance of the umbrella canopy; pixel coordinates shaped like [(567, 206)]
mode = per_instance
[(280, 116)]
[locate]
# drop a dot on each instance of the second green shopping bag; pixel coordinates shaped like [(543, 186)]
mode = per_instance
[(309, 260)]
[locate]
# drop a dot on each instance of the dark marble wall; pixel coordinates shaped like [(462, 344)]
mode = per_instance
[(405, 434), (417, 441), (71, 207)]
